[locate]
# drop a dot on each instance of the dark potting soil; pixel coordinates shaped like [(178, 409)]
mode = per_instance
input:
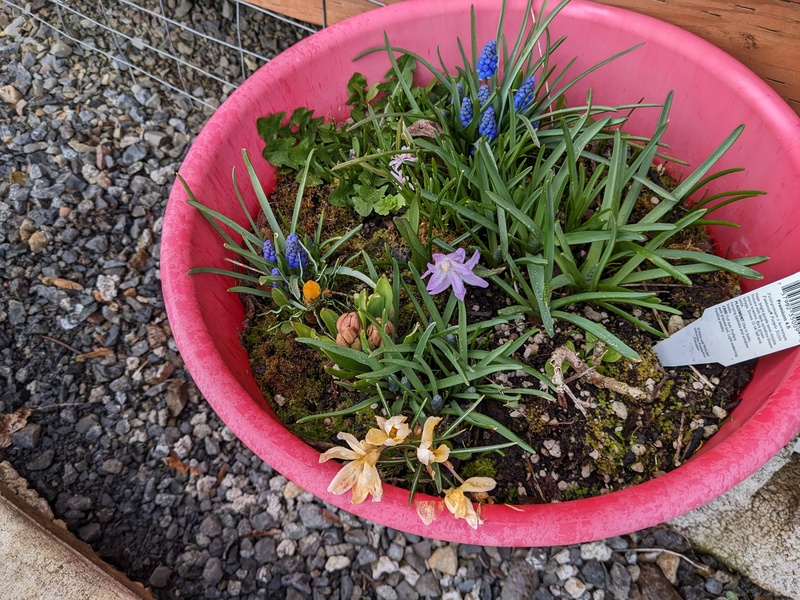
[(618, 442)]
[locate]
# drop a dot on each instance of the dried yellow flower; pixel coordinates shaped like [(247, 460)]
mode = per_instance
[(461, 507), (361, 475), (425, 453), (392, 431)]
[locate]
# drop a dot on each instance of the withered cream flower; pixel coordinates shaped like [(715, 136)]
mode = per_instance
[(425, 453), (360, 475), (461, 506), (392, 431)]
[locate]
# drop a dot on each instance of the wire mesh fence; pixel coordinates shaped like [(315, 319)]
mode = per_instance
[(201, 48)]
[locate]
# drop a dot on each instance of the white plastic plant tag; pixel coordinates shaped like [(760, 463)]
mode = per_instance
[(751, 325)]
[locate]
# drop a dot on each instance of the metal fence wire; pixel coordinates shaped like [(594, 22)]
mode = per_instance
[(201, 48)]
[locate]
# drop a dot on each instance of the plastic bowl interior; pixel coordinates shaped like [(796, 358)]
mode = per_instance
[(713, 95)]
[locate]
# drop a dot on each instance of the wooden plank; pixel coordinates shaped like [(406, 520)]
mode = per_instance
[(762, 34), (310, 11)]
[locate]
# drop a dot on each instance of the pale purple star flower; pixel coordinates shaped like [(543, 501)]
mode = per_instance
[(397, 161), (450, 270)]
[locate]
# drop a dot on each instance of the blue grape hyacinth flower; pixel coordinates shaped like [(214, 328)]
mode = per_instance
[(483, 94), (268, 251), (524, 96), (488, 126), (466, 112), (487, 61), (276, 272), (295, 253)]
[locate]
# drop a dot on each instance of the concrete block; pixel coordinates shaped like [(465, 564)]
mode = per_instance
[(755, 527), (41, 559)]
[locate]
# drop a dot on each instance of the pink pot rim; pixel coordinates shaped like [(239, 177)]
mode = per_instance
[(730, 461)]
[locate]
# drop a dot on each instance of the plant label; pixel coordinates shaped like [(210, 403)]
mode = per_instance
[(751, 325)]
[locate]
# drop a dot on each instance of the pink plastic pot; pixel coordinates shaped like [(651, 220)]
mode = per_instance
[(713, 94)]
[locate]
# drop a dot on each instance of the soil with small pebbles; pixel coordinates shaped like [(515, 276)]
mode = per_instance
[(117, 438)]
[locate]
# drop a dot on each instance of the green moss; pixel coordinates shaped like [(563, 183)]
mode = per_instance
[(376, 245), (480, 467), (511, 495), (292, 378), (576, 493)]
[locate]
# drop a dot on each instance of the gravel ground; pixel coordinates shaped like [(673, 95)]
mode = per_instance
[(119, 441)]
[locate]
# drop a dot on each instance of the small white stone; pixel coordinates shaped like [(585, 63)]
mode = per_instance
[(277, 483), (385, 565), (291, 490), (595, 550), (719, 412), (336, 563), (675, 323), (410, 574), (562, 557), (574, 587), (553, 447), (566, 571), (286, 548), (107, 287), (619, 409)]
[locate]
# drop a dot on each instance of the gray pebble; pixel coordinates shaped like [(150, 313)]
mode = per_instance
[(91, 533), (211, 526), (311, 515), (113, 466), (357, 537), (42, 461), (366, 555), (28, 437), (521, 581), (428, 585), (133, 154), (385, 592), (265, 550), (160, 577), (213, 572), (713, 586), (78, 502), (620, 584)]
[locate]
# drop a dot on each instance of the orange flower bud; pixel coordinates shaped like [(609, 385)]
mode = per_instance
[(311, 291)]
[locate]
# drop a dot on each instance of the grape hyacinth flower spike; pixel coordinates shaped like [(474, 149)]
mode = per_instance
[(466, 112), (276, 272), (483, 94), (523, 97), (268, 251), (295, 253), (487, 61), (488, 126), (450, 270)]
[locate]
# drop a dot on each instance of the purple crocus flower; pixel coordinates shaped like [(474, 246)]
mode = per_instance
[(450, 270)]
